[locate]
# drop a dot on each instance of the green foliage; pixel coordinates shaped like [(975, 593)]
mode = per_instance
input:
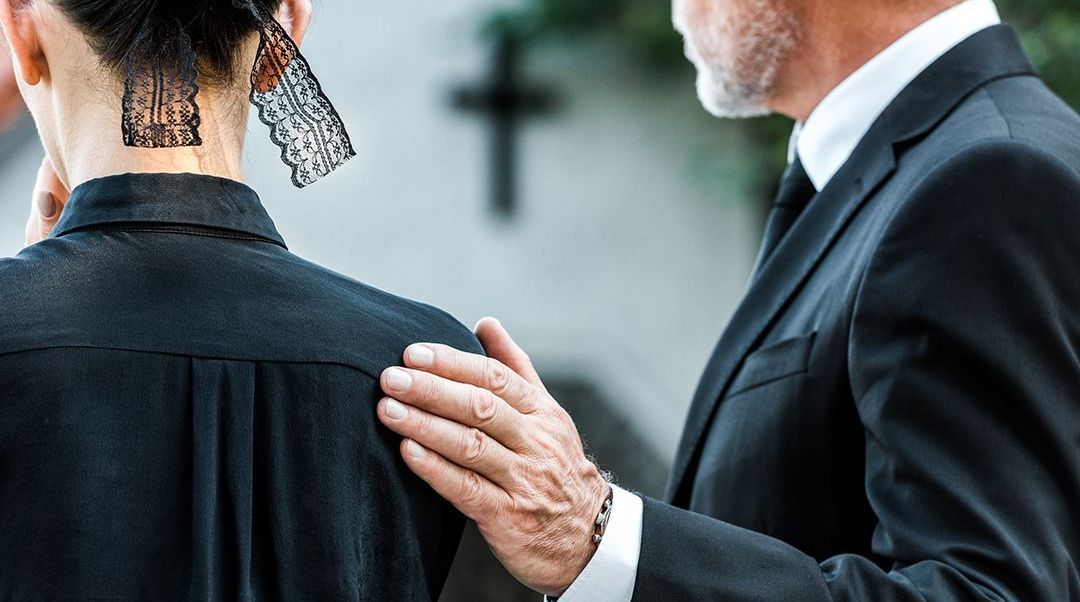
[(1050, 30), (644, 25)]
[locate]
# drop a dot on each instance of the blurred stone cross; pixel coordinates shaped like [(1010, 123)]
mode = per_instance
[(504, 101)]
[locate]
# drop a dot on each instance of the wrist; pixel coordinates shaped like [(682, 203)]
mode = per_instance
[(596, 501)]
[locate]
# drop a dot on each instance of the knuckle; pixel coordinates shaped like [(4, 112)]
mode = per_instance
[(532, 401), (475, 446), (498, 376), (547, 447), (528, 404), (537, 481), (421, 424), (521, 475), (483, 406), (563, 418), (426, 388), (471, 489)]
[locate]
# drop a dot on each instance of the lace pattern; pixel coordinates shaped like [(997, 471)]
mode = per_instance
[(160, 86), (290, 100)]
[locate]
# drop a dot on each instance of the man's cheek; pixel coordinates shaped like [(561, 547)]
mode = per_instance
[(690, 20), (708, 23)]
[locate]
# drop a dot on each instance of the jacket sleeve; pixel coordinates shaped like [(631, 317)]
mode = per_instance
[(963, 361)]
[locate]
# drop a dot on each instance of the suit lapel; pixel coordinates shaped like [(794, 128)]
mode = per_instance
[(779, 278), (991, 54)]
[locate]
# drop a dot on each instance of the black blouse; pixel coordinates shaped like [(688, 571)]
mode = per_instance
[(187, 411)]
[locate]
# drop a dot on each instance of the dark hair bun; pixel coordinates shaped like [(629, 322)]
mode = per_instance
[(216, 28)]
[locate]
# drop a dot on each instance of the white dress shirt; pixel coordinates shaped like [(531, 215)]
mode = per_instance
[(824, 143), (843, 117)]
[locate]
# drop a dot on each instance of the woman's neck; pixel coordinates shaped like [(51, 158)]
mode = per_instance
[(90, 145)]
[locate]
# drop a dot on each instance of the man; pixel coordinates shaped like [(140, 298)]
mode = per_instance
[(894, 411)]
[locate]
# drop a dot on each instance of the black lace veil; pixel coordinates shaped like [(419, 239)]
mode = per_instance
[(161, 86)]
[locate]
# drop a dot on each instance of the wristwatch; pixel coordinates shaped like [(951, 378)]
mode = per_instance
[(600, 525)]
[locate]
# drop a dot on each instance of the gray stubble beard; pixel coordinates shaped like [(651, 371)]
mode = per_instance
[(740, 85)]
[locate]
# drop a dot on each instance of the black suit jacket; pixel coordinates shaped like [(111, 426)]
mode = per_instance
[(894, 411), (187, 411)]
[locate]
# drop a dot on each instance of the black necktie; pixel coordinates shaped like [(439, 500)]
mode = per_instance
[(796, 192)]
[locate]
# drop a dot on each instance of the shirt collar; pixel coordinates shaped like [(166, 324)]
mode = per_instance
[(831, 133), (173, 199)]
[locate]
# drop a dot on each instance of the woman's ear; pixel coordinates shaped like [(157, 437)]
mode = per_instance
[(294, 16), (18, 19)]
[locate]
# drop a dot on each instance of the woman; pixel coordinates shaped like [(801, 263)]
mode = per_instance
[(187, 410)]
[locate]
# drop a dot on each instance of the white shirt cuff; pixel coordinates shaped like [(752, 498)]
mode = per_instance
[(610, 575)]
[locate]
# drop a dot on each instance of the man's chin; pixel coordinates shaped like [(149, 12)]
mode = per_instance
[(727, 101)]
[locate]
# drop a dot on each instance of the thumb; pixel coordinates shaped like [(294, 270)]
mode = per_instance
[(50, 197), (48, 210), (44, 213), (47, 203), (498, 345)]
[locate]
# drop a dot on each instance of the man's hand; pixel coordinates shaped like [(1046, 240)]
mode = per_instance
[(487, 436), (46, 204)]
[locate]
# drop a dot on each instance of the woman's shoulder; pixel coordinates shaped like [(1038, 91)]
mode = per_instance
[(260, 306), (354, 311)]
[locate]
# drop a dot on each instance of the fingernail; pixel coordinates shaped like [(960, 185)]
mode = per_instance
[(414, 449), (46, 204), (398, 379), (494, 322), (421, 356), (395, 410)]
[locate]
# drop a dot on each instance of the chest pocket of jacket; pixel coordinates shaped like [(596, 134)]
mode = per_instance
[(775, 362)]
